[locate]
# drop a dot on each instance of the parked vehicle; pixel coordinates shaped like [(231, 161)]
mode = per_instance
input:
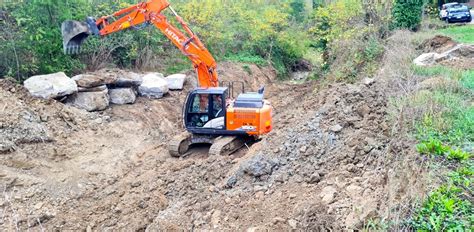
[(443, 12), (459, 14)]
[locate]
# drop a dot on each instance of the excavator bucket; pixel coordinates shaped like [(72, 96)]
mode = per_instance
[(74, 33)]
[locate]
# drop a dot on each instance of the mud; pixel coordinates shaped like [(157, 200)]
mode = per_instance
[(332, 162)]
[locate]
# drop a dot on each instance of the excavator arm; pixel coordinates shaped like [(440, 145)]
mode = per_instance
[(142, 14)]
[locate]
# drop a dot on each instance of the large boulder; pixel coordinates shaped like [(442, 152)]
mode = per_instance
[(90, 101), (51, 86), (93, 80), (176, 81), (461, 51), (153, 86), (425, 59), (122, 96), (127, 79)]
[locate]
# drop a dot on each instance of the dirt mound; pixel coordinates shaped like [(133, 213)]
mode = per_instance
[(439, 44), (27, 120)]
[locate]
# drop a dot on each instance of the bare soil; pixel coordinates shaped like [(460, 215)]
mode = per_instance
[(333, 161)]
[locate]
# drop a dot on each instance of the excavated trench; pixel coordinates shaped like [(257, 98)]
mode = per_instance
[(326, 165)]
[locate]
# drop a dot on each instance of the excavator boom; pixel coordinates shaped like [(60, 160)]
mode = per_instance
[(142, 14)]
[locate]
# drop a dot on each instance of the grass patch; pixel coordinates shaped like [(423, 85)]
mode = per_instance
[(446, 128), (438, 70), (447, 112), (446, 116), (446, 209), (467, 79), (463, 34)]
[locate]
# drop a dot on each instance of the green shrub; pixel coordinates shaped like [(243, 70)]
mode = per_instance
[(407, 14)]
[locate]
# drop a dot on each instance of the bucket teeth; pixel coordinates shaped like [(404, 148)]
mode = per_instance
[(74, 34)]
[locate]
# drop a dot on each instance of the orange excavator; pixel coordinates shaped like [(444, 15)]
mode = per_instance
[(211, 115)]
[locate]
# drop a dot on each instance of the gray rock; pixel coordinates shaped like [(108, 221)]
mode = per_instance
[(461, 50), (232, 181), (259, 165), (368, 81), (90, 101), (293, 224), (336, 128), (6, 146), (176, 81), (50, 86), (128, 79), (122, 96), (315, 178), (93, 80), (425, 59), (153, 86), (93, 89), (328, 194)]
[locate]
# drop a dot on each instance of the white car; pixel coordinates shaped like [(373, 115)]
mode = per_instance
[(443, 12)]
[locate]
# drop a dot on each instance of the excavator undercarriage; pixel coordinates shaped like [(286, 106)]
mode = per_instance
[(220, 145)]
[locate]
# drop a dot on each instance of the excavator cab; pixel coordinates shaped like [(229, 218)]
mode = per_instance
[(205, 110)]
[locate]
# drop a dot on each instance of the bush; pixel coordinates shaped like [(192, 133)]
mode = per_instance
[(262, 32), (407, 14)]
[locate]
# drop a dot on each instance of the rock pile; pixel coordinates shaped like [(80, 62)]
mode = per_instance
[(96, 91), (461, 53)]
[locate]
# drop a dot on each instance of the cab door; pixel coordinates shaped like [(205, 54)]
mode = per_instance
[(205, 111)]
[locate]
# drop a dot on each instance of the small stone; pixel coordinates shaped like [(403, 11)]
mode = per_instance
[(368, 81), (303, 149), (228, 200), (259, 188), (260, 195), (136, 184), (38, 205), (292, 196), (336, 128), (354, 190), (212, 189), (293, 224), (278, 220), (328, 194), (315, 178)]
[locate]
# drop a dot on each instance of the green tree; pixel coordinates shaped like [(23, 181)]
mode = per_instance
[(407, 14)]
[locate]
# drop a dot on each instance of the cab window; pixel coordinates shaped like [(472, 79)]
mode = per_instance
[(200, 104)]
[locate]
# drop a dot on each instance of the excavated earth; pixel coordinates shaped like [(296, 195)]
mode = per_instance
[(333, 161)]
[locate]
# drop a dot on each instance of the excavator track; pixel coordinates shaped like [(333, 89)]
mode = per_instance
[(226, 145), (179, 145), (220, 145)]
